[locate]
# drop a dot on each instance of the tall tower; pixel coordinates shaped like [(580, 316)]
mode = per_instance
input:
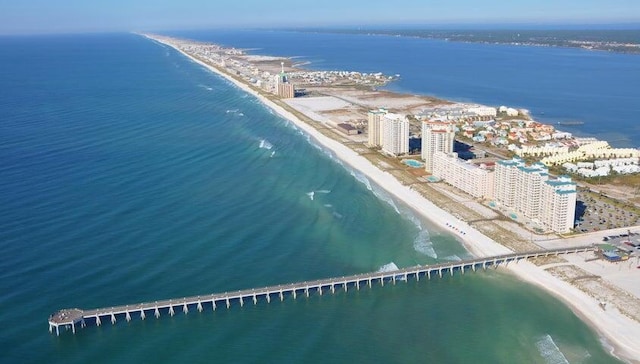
[(395, 134), (282, 87), (375, 126), (436, 137)]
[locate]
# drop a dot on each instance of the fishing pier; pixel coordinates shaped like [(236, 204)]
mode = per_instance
[(74, 318)]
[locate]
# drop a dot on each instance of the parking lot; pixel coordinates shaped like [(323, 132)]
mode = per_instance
[(595, 212)]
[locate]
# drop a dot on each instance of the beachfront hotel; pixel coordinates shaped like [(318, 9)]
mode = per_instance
[(559, 204), (375, 127), (283, 88), (395, 134), (436, 137), (528, 190), (476, 180)]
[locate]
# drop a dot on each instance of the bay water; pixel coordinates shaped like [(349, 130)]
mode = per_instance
[(599, 89)]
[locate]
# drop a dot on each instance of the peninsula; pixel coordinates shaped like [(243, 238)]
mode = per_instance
[(333, 111)]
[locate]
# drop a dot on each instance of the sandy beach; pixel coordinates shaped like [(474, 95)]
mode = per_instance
[(620, 332)]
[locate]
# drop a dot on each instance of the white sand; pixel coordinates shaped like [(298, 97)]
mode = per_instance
[(621, 332)]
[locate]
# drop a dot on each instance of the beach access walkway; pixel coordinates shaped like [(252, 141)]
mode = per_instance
[(70, 318)]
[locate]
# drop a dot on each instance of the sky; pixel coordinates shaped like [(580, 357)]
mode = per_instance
[(77, 16)]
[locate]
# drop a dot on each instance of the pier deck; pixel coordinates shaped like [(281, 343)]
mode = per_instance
[(72, 317)]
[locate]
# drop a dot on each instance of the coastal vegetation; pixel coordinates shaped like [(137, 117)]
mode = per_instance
[(611, 40)]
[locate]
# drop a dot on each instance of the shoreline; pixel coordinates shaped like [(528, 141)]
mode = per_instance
[(617, 329)]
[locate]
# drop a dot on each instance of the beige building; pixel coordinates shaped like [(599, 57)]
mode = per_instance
[(478, 181), (286, 90), (436, 137), (395, 134), (528, 190), (375, 127)]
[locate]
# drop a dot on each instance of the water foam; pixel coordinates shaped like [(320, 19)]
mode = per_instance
[(423, 245), (311, 194), (389, 267), (264, 144), (362, 179), (550, 351), (452, 258)]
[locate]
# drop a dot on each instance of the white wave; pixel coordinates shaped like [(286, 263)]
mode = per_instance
[(232, 111), (311, 194), (240, 114), (423, 245), (323, 191), (264, 144), (328, 205), (273, 153), (205, 87), (362, 179), (452, 258), (389, 267), (337, 215), (384, 197), (550, 351)]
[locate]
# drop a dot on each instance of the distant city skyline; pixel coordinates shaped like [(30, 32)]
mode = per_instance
[(74, 16)]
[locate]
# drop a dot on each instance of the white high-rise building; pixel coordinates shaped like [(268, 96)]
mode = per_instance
[(505, 181), (529, 184), (436, 137), (529, 191), (375, 126), (470, 178), (559, 204), (395, 134)]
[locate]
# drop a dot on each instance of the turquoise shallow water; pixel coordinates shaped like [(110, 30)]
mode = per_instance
[(130, 174)]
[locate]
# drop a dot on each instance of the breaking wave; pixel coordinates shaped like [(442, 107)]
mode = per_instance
[(264, 144), (423, 245), (362, 179), (452, 258), (389, 267), (550, 351)]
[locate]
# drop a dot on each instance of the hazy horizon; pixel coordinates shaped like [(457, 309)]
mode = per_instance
[(74, 16)]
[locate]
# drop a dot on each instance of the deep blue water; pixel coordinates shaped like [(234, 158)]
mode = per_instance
[(131, 174), (555, 84)]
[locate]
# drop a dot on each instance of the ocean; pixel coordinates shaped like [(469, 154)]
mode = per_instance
[(131, 174)]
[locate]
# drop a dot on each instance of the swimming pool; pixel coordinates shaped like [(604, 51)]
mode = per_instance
[(413, 163)]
